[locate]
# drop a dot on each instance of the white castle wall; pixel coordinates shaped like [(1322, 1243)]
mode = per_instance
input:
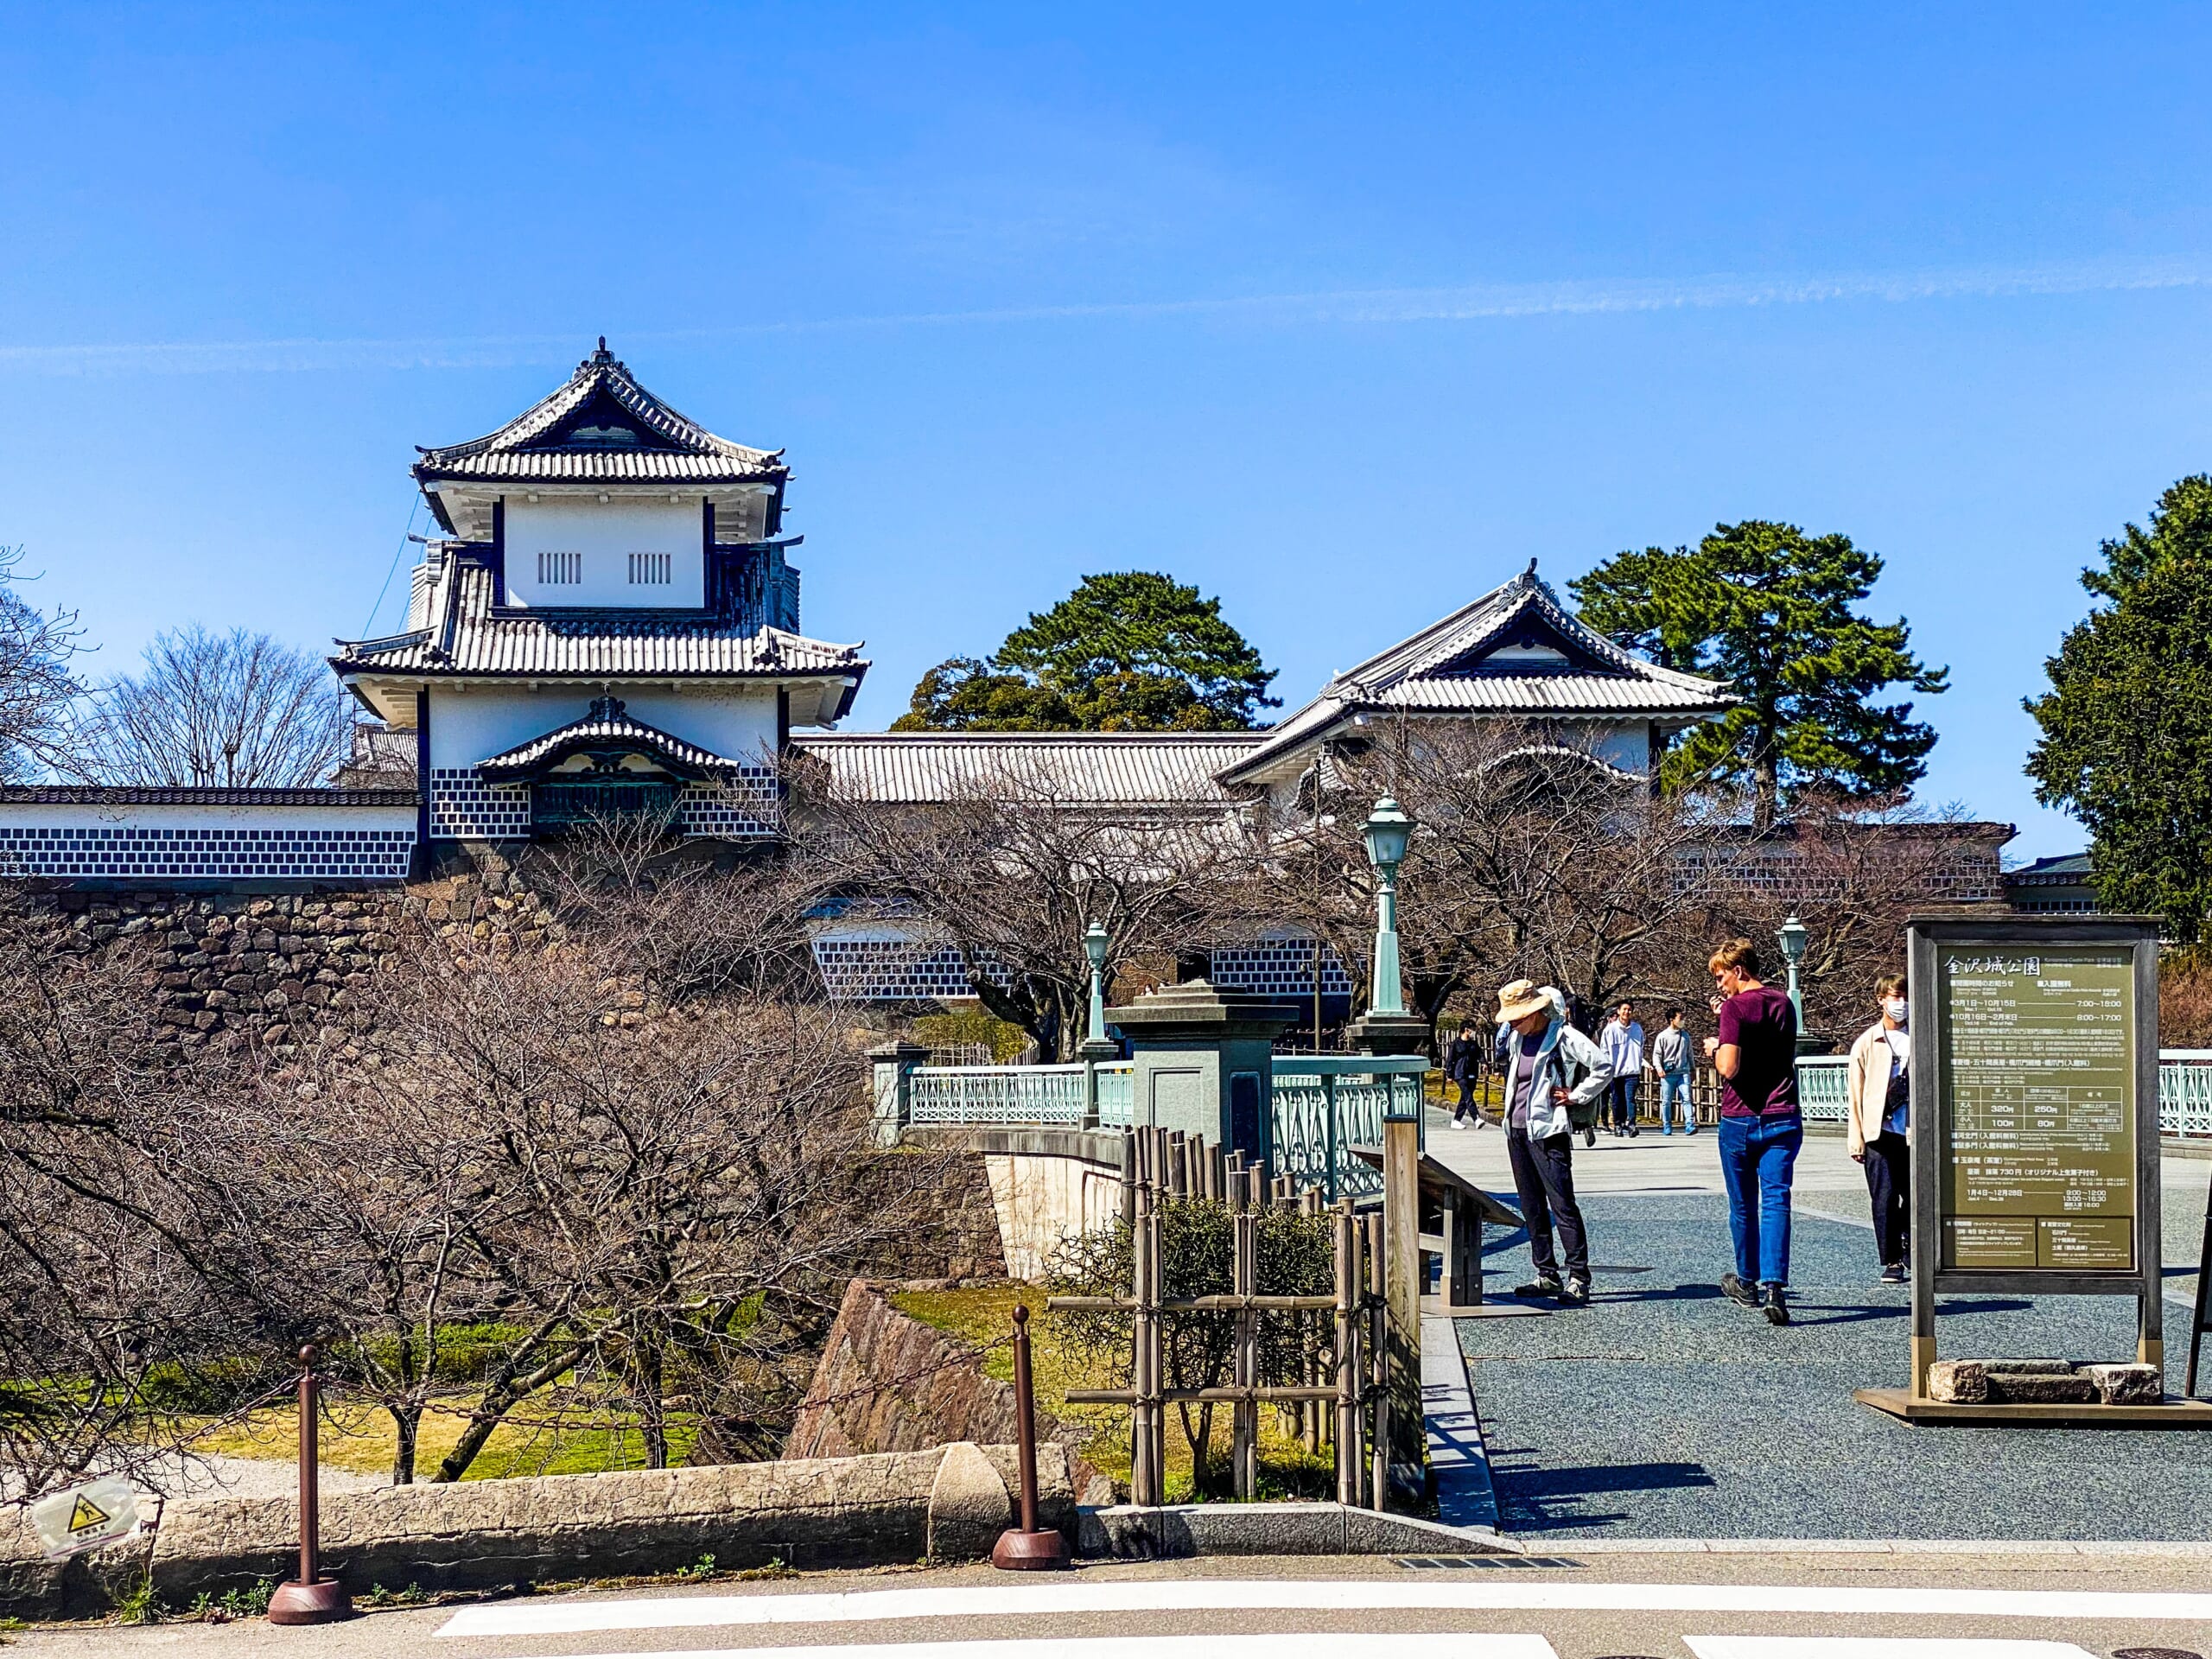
[(605, 535), (273, 835), (469, 726)]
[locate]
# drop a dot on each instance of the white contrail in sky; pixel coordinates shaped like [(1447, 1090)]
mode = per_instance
[(1478, 302)]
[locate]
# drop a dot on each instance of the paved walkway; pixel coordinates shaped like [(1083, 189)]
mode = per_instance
[(1665, 1411)]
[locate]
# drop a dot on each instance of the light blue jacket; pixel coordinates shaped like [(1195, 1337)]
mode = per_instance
[(1561, 1047)]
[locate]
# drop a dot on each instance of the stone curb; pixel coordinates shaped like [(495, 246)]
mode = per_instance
[(2192, 1549), (945, 1503), (1175, 1530)]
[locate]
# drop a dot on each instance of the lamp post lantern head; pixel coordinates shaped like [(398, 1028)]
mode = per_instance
[(1386, 832), (1791, 936), (1095, 944)]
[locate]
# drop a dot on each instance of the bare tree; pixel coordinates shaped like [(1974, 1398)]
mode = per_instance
[(653, 1164), (37, 684), (132, 1242), (1533, 857), (236, 710), (1851, 872), (1009, 874)]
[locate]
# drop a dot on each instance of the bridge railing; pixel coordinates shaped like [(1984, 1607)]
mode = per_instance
[(1320, 1108), (1052, 1096)]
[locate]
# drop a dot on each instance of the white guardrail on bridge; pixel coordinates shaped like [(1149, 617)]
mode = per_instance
[(1320, 1106), (1052, 1096), (2185, 1089)]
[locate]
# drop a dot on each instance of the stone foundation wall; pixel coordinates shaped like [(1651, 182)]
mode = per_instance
[(948, 1503), (274, 969), (888, 1382)]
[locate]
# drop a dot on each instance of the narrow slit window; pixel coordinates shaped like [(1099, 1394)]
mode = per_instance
[(560, 569), (651, 569)]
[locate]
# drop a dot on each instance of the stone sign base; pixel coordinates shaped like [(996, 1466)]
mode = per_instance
[(2166, 1414)]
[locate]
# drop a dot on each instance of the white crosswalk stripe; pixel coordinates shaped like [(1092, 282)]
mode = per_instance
[(1878, 1646), (1334, 1645), (1076, 1597)]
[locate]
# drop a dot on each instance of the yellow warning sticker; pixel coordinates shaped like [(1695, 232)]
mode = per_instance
[(87, 1516)]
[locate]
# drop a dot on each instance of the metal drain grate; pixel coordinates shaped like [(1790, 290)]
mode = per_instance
[(1493, 1563), (2156, 1653)]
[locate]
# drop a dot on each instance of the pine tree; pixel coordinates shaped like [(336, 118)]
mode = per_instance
[(1770, 609), (1131, 651), (2127, 743)]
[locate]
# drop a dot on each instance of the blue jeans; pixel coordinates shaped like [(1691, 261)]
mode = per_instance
[(1757, 1157), (1675, 1086)]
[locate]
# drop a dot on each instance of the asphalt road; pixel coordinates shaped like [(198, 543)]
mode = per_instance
[(1671, 1606), (1663, 1411)]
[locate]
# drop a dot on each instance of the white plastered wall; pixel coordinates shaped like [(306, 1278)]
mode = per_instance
[(466, 726), (604, 534)]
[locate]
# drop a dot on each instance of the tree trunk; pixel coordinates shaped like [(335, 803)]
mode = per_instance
[(652, 1421), (408, 1421), (499, 1400), (1201, 1440)]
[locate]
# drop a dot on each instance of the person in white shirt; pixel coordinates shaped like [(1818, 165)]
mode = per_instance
[(1622, 1042), (1878, 1080), (1671, 1059)]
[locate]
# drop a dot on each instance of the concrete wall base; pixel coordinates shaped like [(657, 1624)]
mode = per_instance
[(948, 1503), (1128, 1533)]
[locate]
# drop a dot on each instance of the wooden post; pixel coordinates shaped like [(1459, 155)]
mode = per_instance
[(1400, 1223), (1244, 1280), (1379, 1363), (1144, 1440), (1349, 1283)]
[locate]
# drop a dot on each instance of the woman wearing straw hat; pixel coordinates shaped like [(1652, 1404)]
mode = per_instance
[(1541, 1054)]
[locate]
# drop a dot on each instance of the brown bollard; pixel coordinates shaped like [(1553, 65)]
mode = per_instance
[(1025, 1547), (310, 1598)]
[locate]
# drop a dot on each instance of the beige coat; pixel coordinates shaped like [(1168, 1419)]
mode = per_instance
[(1868, 1077)]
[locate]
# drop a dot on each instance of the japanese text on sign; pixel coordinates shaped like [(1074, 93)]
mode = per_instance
[(2038, 1121)]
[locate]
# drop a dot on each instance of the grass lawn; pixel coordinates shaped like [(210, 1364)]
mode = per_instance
[(985, 1313), (362, 1437)]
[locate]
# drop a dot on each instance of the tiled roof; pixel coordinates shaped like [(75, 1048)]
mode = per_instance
[(1447, 668), (608, 725), (602, 426), (465, 636), (161, 794), (2070, 868), (1120, 769)]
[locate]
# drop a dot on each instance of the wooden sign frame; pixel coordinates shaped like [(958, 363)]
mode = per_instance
[(1926, 937)]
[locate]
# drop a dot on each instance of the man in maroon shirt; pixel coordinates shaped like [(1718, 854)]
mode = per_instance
[(1761, 1129)]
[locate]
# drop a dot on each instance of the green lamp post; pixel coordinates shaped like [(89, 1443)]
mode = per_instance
[(1791, 937), (1097, 1045), (1386, 832), (1094, 948)]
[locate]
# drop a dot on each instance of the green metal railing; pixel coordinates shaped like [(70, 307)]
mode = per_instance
[(1052, 1097), (1322, 1106)]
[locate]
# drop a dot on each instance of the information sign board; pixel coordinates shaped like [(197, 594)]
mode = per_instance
[(2034, 1113), (2038, 1106)]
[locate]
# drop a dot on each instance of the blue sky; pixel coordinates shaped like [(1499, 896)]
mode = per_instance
[(1342, 313)]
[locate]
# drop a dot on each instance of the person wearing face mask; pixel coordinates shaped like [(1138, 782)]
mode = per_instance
[(1880, 1117)]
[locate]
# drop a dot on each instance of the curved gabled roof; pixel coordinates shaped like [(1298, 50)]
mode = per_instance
[(608, 726), (602, 426), (1515, 651)]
